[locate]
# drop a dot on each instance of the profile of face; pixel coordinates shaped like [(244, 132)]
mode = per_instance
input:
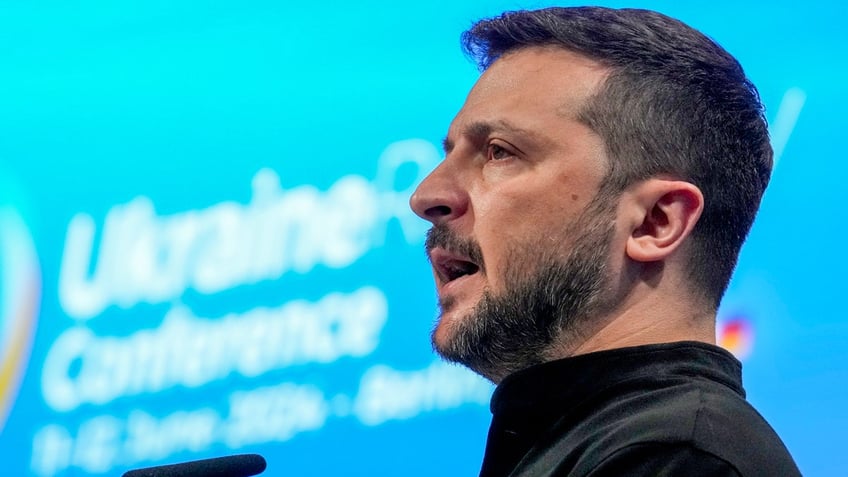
[(521, 243)]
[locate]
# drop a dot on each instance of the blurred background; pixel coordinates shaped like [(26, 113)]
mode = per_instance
[(205, 246)]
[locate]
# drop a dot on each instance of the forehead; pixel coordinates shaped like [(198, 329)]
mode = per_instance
[(540, 82)]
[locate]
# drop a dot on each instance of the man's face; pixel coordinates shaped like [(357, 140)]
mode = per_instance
[(514, 218)]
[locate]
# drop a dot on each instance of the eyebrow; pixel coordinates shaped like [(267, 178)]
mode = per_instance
[(478, 131)]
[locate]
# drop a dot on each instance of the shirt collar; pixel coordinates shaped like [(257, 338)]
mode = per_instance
[(573, 379)]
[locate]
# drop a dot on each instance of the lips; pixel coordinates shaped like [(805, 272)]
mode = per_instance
[(450, 266)]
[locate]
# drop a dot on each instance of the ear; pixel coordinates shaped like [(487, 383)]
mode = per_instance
[(662, 214)]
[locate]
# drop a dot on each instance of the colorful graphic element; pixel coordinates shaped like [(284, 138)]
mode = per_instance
[(737, 336), (20, 290)]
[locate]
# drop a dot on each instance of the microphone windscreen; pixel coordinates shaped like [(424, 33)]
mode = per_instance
[(241, 465)]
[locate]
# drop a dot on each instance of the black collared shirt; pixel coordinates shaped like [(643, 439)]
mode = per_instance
[(656, 410)]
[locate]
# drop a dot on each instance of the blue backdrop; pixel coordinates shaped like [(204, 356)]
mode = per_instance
[(205, 246)]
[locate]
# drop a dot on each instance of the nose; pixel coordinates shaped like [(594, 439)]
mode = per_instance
[(440, 197)]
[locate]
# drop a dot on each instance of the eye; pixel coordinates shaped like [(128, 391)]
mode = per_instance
[(496, 152)]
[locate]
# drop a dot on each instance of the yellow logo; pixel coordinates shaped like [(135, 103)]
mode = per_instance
[(20, 290)]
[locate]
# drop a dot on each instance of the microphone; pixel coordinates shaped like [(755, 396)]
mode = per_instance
[(240, 465)]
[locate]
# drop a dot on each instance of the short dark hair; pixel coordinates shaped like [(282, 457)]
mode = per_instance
[(674, 102)]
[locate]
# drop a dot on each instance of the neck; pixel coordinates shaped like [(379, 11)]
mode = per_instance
[(643, 317)]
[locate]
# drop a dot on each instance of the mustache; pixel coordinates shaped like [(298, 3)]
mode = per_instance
[(440, 235)]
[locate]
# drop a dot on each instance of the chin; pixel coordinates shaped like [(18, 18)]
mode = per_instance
[(445, 330)]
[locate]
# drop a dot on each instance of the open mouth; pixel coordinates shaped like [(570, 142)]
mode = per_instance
[(451, 267)]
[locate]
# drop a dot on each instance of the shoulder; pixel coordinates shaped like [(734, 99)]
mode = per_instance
[(663, 459), (694, 421), (666, 428), (726, 425)]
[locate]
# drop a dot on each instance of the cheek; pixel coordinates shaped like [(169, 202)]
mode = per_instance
[(505, 236), (525, 215), (527, 218), (495, 248)]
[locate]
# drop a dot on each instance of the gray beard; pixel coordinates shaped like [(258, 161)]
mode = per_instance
[(547, 300)]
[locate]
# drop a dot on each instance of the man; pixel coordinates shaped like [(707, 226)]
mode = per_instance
[(597, 186)]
